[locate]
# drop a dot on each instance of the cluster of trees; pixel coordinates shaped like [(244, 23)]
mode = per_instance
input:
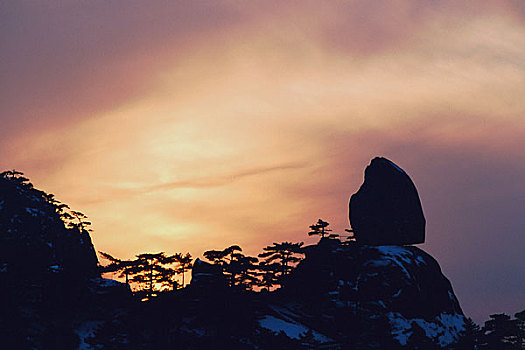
[(151, 273), (320, 228), (251, 273), (72, 219), (500, 332)]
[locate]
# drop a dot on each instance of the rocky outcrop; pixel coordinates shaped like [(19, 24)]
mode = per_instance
[(376, 296), (376, 292), (386, 209)]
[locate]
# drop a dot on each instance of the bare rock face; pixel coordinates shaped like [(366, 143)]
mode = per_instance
[(386, 210)]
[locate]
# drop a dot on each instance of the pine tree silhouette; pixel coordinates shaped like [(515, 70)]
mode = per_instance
[(320, 229)]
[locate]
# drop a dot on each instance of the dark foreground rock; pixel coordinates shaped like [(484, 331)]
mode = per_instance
[(386, 209)]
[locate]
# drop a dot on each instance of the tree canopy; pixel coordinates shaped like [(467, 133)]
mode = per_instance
[(150, 273)]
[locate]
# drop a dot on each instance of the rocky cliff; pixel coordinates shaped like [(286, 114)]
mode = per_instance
[(371, 297)]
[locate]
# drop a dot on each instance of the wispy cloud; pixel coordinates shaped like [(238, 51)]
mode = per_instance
[(120, 192), (223, 180)]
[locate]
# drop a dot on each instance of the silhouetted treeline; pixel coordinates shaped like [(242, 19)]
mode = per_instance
[(500, 332), (152, 273)]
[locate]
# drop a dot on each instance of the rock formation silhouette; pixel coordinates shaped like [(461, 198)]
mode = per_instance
[(373, 296), (386, 210)]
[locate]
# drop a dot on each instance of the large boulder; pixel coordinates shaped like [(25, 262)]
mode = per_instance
[(386, 210)]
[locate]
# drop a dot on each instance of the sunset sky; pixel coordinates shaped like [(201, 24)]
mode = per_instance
[(193, 125)]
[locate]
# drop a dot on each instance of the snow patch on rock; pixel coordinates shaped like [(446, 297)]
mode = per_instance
[(106, 282), (290, 328), (444, 329), (395, 254)]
